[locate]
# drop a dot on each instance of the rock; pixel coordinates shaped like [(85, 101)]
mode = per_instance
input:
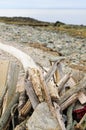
[(42, 119)]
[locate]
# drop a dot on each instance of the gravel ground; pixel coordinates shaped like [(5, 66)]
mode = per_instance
[(74, 49)]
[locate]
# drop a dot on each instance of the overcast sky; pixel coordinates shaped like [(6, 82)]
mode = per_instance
[(49, 4), (67, 11)]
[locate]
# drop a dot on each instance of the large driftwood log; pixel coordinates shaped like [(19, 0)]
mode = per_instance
[(25, 59)]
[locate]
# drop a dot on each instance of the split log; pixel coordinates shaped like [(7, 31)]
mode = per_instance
[(31, 94), (4, 118), (75, 89)]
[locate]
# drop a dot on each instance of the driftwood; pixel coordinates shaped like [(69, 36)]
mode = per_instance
[(69, 116), (25, 59), (4, 118), (82, 97), (52, 71), (25, 109), (39, 88), (69, 101), (4, 65), (47, 95), (62, 82), (12, 81), (22, 100), (59, 117), (82, 124), (35, 79), (31, 94), (53, 90), (73, 90)]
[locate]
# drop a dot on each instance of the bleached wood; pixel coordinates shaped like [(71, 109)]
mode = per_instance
[(25, 59)]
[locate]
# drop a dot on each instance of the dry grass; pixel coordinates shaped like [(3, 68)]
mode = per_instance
[(73, 30)]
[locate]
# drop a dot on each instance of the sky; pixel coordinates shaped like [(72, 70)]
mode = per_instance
[(49, 4), (67, 11)]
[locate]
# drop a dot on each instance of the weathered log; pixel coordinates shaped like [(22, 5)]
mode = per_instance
[(4, 118), (31, 94), (12, 81), (25, 59), (70, 117), (69, 101), (81, 85)]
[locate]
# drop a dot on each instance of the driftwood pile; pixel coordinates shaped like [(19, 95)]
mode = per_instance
[(61, 92)]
